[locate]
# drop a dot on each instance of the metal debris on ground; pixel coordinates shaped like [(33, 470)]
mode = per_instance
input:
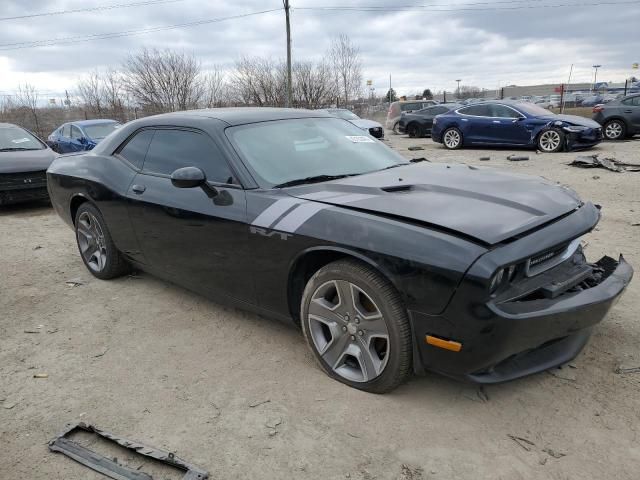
[(41, 375), (419, 159), (32, 331), (261, 402), (414, 148), (594, 161), (75, 282), (517, 158), (554, 453), (522, 442), (563, 372), (110, 467), (485, 159), (621, 369)]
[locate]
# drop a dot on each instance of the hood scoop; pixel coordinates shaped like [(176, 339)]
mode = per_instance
[(398, 188)]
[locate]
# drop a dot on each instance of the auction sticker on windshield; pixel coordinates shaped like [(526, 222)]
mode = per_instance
[(360, 139)]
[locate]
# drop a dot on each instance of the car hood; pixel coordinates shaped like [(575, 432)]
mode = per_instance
[(365, 124), (479, 203), (26, 161), (575, 120)]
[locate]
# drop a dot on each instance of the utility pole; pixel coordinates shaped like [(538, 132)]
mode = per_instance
[(458, 94), (289, 93), (595, 75)]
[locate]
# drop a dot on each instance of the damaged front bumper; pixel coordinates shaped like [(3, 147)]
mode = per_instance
[(529, 328), (584, 139)]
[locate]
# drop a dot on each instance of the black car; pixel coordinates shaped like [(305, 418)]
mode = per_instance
[(418, 124), (619, 118), (24, 160), (389, 266)]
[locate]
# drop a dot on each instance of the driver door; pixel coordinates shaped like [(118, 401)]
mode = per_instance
[(187, 235)]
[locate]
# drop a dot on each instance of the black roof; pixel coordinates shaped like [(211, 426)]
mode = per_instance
[(242, 115)]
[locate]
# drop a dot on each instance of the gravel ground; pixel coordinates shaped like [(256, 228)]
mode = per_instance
[(240, 395)]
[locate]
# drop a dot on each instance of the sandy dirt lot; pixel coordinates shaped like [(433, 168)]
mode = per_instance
[(241, 396)]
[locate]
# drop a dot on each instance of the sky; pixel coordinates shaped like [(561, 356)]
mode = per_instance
[(421, 44)]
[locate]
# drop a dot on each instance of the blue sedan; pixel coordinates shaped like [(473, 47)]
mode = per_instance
[(81, 135), (514, 124)]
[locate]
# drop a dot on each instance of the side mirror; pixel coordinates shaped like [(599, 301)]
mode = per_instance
[(188, 177)]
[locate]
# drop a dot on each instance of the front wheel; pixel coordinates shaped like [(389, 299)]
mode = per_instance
[(98, 252), (615, 130), (413, 130), (551, 141), (357, 327), (452, 138)]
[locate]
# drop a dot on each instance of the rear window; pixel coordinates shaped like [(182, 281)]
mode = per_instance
[(635, 101), (410, 106), (100, 130)]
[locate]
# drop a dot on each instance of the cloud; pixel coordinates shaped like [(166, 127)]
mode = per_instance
[(419, 49)]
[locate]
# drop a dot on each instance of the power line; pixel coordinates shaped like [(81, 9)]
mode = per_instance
[(423, 8), (89, 9), (126, 33)]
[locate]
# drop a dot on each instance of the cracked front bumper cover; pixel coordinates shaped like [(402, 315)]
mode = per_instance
[(513, 339)]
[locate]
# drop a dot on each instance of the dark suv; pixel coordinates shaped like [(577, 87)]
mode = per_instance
[(620, 118)]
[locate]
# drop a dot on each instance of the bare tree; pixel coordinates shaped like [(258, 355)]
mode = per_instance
[(347, 67), (90, 92), (260, 81), (313, 85), (215, 88), (163, 81), (27, 98)]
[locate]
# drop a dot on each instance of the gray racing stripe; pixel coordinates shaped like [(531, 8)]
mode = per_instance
[(320, 195), (353, 197), (274, 211), (294, 220)]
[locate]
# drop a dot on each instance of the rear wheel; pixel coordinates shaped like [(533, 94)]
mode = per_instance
[(615, 130), (452, 138), (357, 327), (551, 141), (413, 130), (98, 252)]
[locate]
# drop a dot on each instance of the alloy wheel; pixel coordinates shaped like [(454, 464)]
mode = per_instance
[(613, 131), (550, 141), (348, 331), (452, 138), (91, 241)]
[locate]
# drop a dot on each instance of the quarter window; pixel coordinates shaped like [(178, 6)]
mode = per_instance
[(66, 132), (173, 149), (136, 148), (476, 110), (500, 111)]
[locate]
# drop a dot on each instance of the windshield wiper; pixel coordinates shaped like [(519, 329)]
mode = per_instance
[(314, 179), (17, 149)]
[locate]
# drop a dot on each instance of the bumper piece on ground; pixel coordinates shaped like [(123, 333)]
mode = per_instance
[(110, 467)]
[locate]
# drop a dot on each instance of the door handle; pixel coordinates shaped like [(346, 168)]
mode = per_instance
[(628, 111), (138, 189), (496, 121)]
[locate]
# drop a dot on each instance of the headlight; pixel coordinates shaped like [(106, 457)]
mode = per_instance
[(575, 128), (503, 275), (496, 280)]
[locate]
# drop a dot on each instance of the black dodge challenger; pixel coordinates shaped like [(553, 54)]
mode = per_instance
[(389, 266)]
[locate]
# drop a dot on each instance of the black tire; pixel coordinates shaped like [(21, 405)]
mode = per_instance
[(386, 301), (88, 219), (412, 130), (551, 140), (448, 137), (614, 129)]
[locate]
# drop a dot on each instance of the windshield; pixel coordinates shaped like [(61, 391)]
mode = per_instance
[(16, 138), (100, 130), (531, 109), (280, 151), (346, 114)]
